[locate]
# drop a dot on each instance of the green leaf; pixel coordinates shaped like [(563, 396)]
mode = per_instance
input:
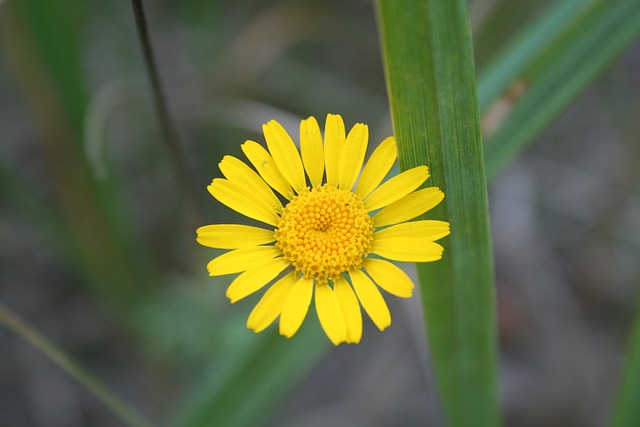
[(42, 40), (245, 391), (626, 412), (548, 77), (432, 93), (54, 31), (495, 78)]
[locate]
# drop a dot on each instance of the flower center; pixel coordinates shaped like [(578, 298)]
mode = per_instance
[(324, 232)]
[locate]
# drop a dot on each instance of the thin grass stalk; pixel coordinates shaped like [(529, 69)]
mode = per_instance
[(178, 156), (125, 412)]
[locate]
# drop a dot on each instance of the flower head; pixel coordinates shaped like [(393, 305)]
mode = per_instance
[(328, 231)]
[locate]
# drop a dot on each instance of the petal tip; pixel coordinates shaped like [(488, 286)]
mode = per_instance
[(384, 325), (423, 168), (253, 325), (286, 334), (230, 295)]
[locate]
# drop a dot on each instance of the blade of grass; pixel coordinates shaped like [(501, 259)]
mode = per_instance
[(105, 250), (432, 94), (125, 412), (626, 412), (56, 27), (497, 76), (556, 76), (24, 198), (240, 378), (556, 73), (251, 390)]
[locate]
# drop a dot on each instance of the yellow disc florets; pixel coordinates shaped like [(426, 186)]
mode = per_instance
[(325, 231)]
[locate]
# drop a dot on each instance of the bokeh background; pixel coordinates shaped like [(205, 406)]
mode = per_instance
[(97, 227)]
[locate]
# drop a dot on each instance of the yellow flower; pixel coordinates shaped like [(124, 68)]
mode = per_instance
[(322, 228)]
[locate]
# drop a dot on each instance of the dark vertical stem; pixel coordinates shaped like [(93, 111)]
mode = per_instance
[(178, 156)]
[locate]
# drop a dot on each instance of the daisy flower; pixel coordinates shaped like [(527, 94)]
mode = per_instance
[(330, 226)]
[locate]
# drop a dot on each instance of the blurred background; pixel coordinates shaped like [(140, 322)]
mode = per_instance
[(97, 226)]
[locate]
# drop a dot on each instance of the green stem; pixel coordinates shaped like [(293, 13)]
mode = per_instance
[(127, 414)]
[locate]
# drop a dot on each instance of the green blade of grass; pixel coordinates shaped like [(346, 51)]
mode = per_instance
[(554, 72), (432, 94), (626, 411), (41, 43), (125, 412), (55, 29), (23, 197), (558, 74), (239, 378), (249, 392), (496, 77)]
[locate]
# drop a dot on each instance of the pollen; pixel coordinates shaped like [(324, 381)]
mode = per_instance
[(325, 231)]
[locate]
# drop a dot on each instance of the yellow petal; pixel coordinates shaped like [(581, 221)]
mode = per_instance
[(350, 308), (266, 167), (377, 167), (352, 156), (312, 150), (389, 277), (409, 207), (408, 249), (425, 229), (371, 299), (270, 305), (232, 236), (295, 307), (396, 188), (285, 154), (239, 173), (334, 138), (241, 259), (255, 278), (330, 314), (242, 200)]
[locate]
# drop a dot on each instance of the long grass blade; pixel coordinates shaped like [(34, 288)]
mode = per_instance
[(249, 392), (43, 50), (126, 413), (495, 78), (432, 93), (554, 76), (626, 411)]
